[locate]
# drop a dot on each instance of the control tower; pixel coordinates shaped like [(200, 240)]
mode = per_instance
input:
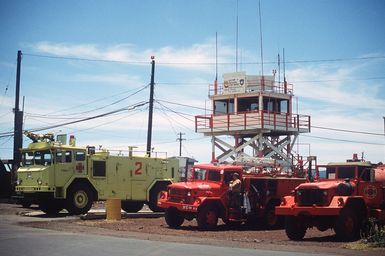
[(252, 118)]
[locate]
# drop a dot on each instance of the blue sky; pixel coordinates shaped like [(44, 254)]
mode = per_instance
[(341, 82)]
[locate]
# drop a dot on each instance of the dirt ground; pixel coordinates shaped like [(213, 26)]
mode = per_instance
[(155, 228)]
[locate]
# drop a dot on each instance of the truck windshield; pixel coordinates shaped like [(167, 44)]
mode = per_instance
[(212, 175), (37, 158), (346, 172)]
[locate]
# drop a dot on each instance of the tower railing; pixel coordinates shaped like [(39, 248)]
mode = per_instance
[(250, 120)]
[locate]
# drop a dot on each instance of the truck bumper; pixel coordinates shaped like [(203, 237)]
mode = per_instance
[(179, 206), (289, 207), (34, 197)]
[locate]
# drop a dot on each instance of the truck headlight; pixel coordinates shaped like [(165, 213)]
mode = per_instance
[(39, 181), (18, 182)]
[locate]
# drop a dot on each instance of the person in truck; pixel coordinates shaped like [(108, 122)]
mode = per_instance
[(235, 192)]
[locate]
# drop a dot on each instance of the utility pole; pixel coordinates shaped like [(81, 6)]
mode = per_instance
[(180, 142), (18, 124), (151, 106)]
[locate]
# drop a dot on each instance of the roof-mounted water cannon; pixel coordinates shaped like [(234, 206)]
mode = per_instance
[(48, 137)]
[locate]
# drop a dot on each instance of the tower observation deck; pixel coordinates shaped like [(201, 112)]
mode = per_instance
[(257, 112)]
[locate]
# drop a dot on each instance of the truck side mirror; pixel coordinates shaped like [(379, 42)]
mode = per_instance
[(372, 175)]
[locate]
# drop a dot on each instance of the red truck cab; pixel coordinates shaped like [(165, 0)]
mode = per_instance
[(205, 196)]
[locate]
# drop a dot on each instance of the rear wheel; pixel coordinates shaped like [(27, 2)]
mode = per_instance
[(26, 204), (154, 196), (295, 230), (272, 221), (207, 218), (79, 199), (347, 227), (51, 206), (231, 224), (174, 218), (130, 206)]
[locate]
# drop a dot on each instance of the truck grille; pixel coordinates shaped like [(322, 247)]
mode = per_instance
[(309, 197), (177, 195)]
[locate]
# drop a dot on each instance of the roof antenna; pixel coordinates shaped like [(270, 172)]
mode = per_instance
[(279, 70), (236, 43), (260, 34), (216, 64), (284, 73)]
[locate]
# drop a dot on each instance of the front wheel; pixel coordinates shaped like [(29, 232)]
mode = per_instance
[(174, 218), (295, 230), (347, 226), (207, 218), (131, 207), (79, 199), (51, 206)]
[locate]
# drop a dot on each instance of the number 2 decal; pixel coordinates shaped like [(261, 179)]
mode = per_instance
[(138, 169)]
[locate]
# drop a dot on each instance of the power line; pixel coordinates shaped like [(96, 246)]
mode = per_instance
[(349, 131), (338, 80), (88, 111), (2, 135), (84, 59), (178, 113), (342, 140), (90, 118), (203, 63), (180, 104)]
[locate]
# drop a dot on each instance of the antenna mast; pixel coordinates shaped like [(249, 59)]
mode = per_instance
[(260, 34), (236, 43), (216, 65)]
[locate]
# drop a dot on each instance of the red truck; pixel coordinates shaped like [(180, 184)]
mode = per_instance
[(344, 200), (205, 196)]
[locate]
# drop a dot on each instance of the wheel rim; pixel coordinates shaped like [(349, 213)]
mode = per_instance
[(212, 218), (349, 224), (271, 218), (80, 199)]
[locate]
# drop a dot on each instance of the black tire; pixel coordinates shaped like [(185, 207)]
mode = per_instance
[(26, 204), (295, 230), (347, 226), (232, 224), (132, 206), (207, 217), (254, 222), (154, 196), (174, 218), (79, 199), (271, 220), (51, 206)]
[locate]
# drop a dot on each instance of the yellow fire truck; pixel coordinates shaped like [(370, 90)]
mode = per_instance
[(57, 176)]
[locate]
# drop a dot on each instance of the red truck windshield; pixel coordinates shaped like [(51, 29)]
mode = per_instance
[(203, 174)]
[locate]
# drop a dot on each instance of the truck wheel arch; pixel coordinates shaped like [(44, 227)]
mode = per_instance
[(154, 192), (273, 221), (86, 182), (215, 203), (80, 197), (359, 205)]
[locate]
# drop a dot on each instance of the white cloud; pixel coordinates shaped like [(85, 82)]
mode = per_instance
[(117, 79), (192, 57), (340, 90)]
